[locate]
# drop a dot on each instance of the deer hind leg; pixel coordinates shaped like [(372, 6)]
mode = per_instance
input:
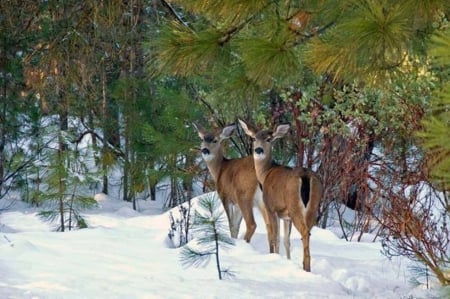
[(306, 253), (287, 227), (247, 213), (304, 232)]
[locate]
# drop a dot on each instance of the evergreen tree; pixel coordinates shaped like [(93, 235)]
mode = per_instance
[(437, 124), (212, 234), (169, 138), (64, 187), (17, 108)]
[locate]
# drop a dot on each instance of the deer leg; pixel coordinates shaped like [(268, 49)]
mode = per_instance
[(270, 232), (247, 213), (258, 201), (274, 233), (306, 253), (304, 232), (235, 220), (277, 235), (287, 227), (231, 215)]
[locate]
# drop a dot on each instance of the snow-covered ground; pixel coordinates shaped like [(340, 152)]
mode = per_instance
[(126, 254)]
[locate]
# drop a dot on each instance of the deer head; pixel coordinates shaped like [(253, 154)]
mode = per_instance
[(211, 147), (262, 146)]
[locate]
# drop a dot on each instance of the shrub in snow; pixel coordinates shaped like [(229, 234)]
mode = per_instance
[(180, 225)]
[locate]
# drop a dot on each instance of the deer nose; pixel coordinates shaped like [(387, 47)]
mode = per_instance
[(205, 151), (259, 150)]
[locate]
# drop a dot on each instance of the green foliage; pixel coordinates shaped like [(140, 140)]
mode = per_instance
[(229, 13), (225, 41), (276, 63), (166, 130), (435, 136), (369, 43), (65, 176), (182, 51), (72, 211), (211, 231)]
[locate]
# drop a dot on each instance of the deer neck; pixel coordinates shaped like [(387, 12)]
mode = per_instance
[(262, 168), (215, 165)]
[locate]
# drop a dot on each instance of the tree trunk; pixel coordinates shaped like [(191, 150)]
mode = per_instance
[(2, 145), (105, 130), (63, 125)]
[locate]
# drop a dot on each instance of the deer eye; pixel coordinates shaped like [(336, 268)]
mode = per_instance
[(214, 141)]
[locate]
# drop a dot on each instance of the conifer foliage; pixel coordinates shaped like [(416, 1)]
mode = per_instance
[(210, 227), (435, 136)]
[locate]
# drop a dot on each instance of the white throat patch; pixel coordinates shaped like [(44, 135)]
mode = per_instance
[(207, 157), (259, 156)]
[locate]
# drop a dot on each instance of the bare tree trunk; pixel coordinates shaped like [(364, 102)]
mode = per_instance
[(2, 143), (105, 140), (63, 125), (126, 168)]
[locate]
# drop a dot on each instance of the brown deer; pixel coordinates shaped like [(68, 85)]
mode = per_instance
[(288, 193), (236, 182)]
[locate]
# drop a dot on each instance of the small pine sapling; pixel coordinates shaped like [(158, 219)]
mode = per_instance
[(63, 192), (211, 233)]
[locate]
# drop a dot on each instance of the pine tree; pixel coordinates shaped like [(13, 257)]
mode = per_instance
[(266, 44), (169, 138), (212, 234), (435, 136), (16, 100), (63, 191)]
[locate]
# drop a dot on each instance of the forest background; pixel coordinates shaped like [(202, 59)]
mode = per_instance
[(365, 85)]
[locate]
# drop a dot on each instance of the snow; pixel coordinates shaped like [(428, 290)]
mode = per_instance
[(127, 254)]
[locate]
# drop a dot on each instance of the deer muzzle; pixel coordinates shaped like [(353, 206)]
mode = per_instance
[(259, 151)]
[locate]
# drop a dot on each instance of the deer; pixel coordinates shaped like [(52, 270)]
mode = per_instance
[(291, 194), (235, 179)]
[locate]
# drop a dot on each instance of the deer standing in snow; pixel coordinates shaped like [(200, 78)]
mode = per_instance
[(289, 193), (235, 179)]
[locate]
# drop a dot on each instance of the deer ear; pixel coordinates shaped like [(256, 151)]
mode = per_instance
[(200, 130), (227, 132), (280, 131), (247, 129)]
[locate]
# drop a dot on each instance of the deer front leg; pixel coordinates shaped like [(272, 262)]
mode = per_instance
[(287, 227), (258, 200), (274, 236), (235, 218), (246, 207), (231, 216)]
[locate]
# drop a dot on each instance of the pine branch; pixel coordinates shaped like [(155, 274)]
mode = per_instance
[(209, 225), (173, 12)]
